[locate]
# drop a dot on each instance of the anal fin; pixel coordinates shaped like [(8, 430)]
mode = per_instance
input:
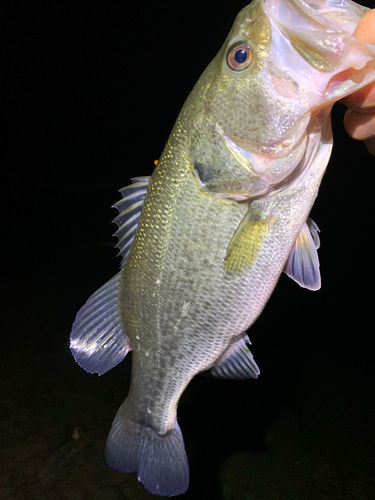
[(238, 362), (97, 341)]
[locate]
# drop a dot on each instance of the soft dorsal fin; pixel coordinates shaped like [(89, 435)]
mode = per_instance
[(237, 363), (129, 207), (303, 262), (98, 342)]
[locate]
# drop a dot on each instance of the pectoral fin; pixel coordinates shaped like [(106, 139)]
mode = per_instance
[(98, 342), (303, 262), (246, 243), (238, 362)]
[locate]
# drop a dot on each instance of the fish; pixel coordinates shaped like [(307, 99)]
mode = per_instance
[(205, 239)]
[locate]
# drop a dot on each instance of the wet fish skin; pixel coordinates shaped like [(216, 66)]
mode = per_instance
[(225, 208)]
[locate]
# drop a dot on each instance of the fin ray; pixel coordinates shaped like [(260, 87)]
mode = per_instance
[(97, 341), (160, 461), (129, 208), (303, 261), (246, 243), (238, 362)]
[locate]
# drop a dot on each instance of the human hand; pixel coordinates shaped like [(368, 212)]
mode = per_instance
[(359, 120)]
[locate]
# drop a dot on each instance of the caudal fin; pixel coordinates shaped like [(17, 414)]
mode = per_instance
[(160, 461)]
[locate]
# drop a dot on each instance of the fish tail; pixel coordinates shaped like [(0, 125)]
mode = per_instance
[(160, 461)]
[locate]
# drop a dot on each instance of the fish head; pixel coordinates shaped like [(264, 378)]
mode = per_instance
[(253, 96), (276, 78)]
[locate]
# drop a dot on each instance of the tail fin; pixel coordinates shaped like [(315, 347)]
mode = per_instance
[(160, 461)]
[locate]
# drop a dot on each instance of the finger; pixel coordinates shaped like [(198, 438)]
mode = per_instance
[(365, 28), (364, 99), (370, 145), (361, 126)]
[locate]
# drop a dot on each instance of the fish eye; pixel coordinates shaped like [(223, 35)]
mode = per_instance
[(239, 56)]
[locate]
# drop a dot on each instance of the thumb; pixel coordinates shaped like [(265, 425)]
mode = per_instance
[(364, 99)]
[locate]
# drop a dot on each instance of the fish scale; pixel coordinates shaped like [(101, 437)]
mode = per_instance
[(225, 212)]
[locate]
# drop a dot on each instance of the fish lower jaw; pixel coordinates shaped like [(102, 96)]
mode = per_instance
[(272, 164), (260, 156)]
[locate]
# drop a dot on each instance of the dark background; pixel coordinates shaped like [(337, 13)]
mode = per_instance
[(90, 91)]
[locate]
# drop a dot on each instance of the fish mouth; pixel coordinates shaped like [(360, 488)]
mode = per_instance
[(274, 160), (255, 152)]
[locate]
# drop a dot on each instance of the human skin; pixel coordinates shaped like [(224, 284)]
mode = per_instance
[(359, 120)]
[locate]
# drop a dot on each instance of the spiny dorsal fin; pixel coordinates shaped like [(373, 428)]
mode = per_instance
[(303, 262), (129, 207), (98, 342), (238, 362)]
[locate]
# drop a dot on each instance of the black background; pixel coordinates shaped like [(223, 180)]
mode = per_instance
[(90, 91)]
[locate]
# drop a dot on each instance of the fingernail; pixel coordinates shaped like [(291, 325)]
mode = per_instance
[(367, 108)]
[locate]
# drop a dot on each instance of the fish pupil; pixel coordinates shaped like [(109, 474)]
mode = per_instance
[(240, 56)]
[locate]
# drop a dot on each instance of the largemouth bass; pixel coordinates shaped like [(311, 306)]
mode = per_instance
[(205, 239)]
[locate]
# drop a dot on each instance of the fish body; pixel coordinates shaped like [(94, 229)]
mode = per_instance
[(205, 239)]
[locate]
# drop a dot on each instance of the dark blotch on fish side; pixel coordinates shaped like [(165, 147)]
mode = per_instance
[(203, 171)]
